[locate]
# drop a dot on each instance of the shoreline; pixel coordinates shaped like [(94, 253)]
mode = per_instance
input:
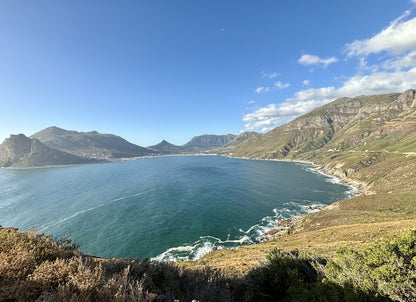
[(280, 226)]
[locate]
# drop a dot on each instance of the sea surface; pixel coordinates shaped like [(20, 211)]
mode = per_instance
[(164, 208)]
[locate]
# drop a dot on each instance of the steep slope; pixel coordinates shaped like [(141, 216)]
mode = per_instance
[(21, 151), (207, 142), (89, 144), (356, 117), (165, 147)]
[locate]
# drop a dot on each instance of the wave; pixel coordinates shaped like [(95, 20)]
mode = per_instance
[(329, 178), (48, 225), (254, 234)]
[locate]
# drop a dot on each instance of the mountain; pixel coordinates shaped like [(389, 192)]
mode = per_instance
[(374, 123), (207, 142), (21, 151), (165, 147), (89, 144), (241, 138)]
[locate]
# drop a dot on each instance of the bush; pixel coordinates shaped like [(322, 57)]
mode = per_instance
[(386, 269)]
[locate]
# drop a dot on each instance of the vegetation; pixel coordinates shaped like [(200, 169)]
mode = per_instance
[(35, 267)]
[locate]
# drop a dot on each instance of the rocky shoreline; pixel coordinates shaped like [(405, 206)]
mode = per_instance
[(290, 225)]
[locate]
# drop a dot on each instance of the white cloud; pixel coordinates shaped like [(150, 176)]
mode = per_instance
[(396, 73), (315, 60), (398, 37), (280, 85), (399, 63), (271, 75), (251, 102), (268, 117), (262, 89)]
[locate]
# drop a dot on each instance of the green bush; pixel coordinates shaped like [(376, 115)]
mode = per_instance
[(386, 269)]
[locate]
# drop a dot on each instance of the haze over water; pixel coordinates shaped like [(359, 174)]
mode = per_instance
[(166, 208)]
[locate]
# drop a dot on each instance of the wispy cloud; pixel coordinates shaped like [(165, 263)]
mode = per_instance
[(251, 102), (308, 60), (271, 75), (306, 82), (262, 89), (280, 85)]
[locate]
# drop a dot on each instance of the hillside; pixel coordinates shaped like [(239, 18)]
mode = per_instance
[(242, 137), (165, 147), (207, 142), (21, 151), (367, 141), (89, 144)]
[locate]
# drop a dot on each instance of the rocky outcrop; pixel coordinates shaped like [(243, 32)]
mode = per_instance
[(21, 151)]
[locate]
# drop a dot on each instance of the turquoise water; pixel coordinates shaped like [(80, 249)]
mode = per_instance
[(166, 208)]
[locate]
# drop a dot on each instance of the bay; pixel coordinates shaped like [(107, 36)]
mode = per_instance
[(165, 208)]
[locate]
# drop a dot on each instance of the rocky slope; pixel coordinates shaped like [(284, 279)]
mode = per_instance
[(89, 144), (21, 151), (207, 142), (379, 122), (241, 138)]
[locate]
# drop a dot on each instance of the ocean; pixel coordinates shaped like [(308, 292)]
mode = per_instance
[(163, 208)]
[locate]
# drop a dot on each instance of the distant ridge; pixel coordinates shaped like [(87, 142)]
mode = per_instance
[(21, 151), (165, 147), (241, 138), (89, 144), (208, 142)]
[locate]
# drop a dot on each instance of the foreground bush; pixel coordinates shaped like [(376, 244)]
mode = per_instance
[(35, 267), (385, 269)]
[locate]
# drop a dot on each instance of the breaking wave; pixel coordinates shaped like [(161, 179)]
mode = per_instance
[(253, 234)]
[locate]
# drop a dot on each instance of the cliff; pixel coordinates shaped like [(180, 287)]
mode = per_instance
[(21, 151)]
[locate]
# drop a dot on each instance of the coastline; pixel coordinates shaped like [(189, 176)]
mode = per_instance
[(285, 224), (360, 187), (279, 227)]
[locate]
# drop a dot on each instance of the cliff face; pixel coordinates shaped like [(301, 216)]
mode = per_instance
[(341, 125), (21, 151), (89, 144)]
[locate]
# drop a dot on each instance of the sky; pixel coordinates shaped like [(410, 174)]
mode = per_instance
[(154, 70)]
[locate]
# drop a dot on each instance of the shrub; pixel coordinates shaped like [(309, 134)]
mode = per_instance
[(386, 269)]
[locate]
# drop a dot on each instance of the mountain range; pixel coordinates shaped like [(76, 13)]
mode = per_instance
[(377, 123), (57, 146), (201, 143)]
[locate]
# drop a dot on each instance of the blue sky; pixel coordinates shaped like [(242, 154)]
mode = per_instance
[(153, 70)]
